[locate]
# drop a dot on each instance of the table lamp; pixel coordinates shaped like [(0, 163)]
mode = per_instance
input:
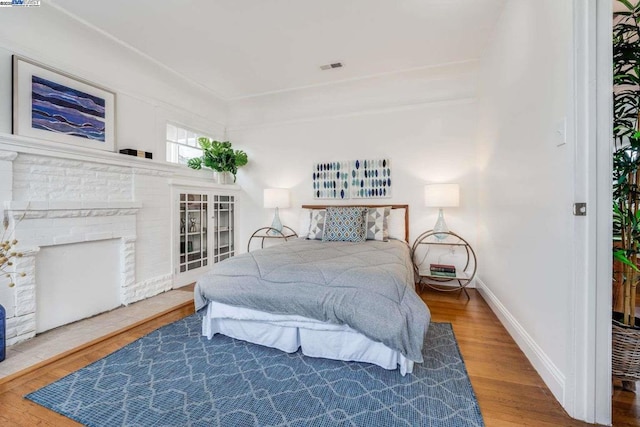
[(441, 196), (276, 198)]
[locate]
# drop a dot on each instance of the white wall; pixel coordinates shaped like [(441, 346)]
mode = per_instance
[(147, 96), (144, 89), (426, 127), (525, 186)]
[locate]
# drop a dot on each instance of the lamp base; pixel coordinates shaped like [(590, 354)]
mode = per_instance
[(441, 227), (276, 224)]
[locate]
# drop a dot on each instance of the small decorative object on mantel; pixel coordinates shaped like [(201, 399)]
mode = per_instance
[(359, 179), (51, 105), (220, 157), (137, 153)]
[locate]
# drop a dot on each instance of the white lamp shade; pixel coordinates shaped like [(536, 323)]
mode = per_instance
[(276, 198), (442, 195)]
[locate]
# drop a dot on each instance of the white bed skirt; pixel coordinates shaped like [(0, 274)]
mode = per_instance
[(288, 333)]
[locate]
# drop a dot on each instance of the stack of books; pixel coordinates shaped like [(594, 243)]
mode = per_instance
[(444, 270)]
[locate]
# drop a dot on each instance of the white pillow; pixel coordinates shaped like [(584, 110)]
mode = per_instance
[(304, 222), (396, 224)]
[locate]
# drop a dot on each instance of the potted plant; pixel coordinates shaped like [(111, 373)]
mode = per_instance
[(219, 156), (626, 192)]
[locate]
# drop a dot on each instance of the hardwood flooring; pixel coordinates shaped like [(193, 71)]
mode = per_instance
[(508, 389), (510, 392)]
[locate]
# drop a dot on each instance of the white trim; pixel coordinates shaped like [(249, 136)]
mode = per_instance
[(365, 112), (25, 145), (149, 58), (551, 375), (580, 339), (204, 185), (22, 206), (601, 52), (355, 79)]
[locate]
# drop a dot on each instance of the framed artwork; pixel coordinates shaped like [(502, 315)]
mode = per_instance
[(331, 180), (370, 178), (54, 106), (358, 179)]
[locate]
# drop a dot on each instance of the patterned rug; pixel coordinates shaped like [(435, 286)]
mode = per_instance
[(176, 377)]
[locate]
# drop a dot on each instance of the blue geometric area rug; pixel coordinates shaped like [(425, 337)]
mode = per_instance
[(176, 377)]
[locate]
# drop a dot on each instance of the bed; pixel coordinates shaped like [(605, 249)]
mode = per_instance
[(343, 300)]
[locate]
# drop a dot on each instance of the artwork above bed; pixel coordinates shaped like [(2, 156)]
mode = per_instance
[(357, 179)]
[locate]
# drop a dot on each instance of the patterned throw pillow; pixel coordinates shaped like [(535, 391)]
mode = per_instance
[(345, 224), (378, 223), (316, 228)]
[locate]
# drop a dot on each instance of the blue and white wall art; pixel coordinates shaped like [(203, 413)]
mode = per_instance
[(53, 106), (331, 180), (358, 179), (370, 178)]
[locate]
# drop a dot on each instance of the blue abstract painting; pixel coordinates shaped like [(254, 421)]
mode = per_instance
[(61, 109)]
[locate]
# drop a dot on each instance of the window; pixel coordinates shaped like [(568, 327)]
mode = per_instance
[(182, 144)]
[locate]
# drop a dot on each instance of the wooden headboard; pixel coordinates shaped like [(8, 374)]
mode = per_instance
[(405, 207)]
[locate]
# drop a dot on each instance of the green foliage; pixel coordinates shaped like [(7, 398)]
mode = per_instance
[(626, 71), (219, 156), (626, 156)]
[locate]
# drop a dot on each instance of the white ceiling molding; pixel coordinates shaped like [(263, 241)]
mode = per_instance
[(235, 50)]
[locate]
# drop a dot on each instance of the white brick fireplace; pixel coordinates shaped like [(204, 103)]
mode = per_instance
[(66, 200), (51, 224)]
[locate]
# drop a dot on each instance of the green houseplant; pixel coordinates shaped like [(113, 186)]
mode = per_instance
[(626, 191), (219, 156)]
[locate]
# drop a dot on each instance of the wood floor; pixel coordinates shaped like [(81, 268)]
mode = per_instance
[(508, 389)]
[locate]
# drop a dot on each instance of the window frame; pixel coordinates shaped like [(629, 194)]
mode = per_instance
[(172, 146)]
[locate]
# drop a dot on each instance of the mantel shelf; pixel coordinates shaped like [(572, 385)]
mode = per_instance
[(68, 205)]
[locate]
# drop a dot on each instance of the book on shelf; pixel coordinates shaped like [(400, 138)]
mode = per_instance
[(443, 273), (442, 268)]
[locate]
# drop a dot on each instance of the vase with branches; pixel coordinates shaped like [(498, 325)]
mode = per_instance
[(8, 254)]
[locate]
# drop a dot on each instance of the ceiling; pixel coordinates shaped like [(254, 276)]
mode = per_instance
[(241, 48)]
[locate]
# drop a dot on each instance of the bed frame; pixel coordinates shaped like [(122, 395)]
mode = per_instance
[(405, 207)]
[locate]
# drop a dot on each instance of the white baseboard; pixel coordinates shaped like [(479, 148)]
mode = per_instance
[(551, 375)]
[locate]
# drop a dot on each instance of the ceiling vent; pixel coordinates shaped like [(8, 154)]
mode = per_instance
[(330, 66)]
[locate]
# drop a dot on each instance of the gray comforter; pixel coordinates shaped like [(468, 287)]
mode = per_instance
[(368, 286)]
